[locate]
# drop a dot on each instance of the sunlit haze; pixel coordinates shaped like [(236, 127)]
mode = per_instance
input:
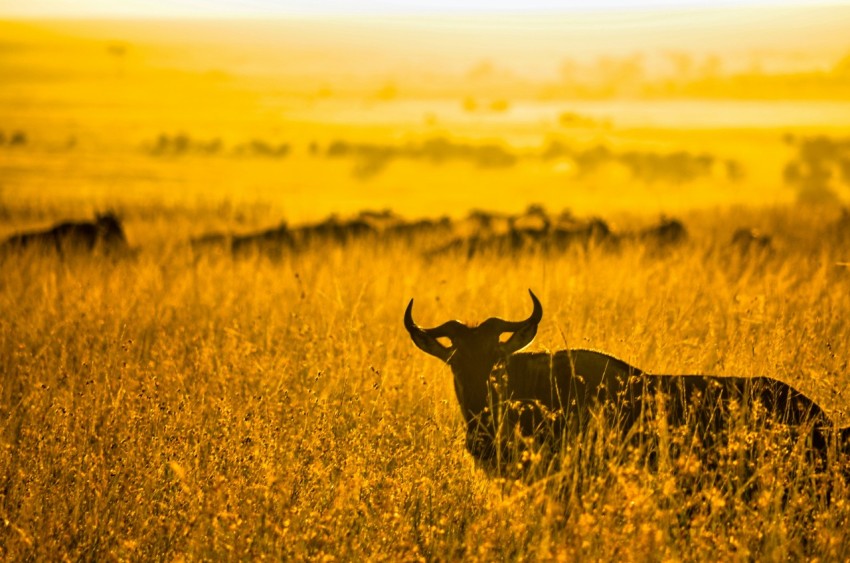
[(215, 216), (247, 8)]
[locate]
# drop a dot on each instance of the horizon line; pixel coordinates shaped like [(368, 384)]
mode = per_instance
[(432, 9)]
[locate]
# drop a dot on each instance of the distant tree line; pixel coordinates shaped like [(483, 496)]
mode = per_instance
[(16, 138), (820, 167), (372, 158), (678, 166), (182, 144)]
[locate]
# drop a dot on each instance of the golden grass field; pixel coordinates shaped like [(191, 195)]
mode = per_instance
[(177, 404)]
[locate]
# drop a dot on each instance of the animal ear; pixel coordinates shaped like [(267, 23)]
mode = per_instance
[(422, 339), (520, 339), (430, 345), (523, 331)]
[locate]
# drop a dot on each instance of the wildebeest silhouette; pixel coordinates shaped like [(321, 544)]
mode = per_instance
[(423, 229), (536, 231), (501, 390), (104, 234), (667, 232), (751, 241), (544, 237), (840, 229), (276, 241), (333, 230), (271, 242)]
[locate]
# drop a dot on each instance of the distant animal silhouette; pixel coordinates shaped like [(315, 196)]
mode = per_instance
[(667, 232), (271, 242), (752, 241), (104, 234)]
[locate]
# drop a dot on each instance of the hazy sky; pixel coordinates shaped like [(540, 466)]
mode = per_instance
[(231, 8)]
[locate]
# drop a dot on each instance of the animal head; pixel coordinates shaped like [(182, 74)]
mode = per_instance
[(474, 350), (109, 230), (108, 223)]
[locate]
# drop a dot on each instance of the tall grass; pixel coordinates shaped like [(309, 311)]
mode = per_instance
[(174, 405)]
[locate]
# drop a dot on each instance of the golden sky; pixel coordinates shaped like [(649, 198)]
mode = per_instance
[(247, 8)]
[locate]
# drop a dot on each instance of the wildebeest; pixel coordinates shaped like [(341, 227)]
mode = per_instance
[(277, 241), (544, 237), (501, 390), (414, 231), (271, 242), (104, 234), (841, 228), (593, 232), (667, 232), (751, 241), (209, 241)]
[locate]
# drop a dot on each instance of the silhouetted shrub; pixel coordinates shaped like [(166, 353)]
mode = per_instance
[(820, 164)]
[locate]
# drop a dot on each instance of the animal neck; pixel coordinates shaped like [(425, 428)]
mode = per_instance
[(476, 391)]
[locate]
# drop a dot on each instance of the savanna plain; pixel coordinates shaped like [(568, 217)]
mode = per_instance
[(179, 400)]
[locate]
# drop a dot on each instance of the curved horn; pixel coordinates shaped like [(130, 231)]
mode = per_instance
[(534, 319), (524, 331), (426, 339)]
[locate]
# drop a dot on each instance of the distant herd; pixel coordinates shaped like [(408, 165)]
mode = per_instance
[(479, 233), (104, 234)]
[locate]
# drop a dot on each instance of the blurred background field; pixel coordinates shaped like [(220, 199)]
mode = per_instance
[(188, 401), (706, 103)]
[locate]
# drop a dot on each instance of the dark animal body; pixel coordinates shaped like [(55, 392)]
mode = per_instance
[(372, 227), (272, 242), (105, 234), (500, 390), (752, 241), (575, 384), (536, 232), (277, 241)]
